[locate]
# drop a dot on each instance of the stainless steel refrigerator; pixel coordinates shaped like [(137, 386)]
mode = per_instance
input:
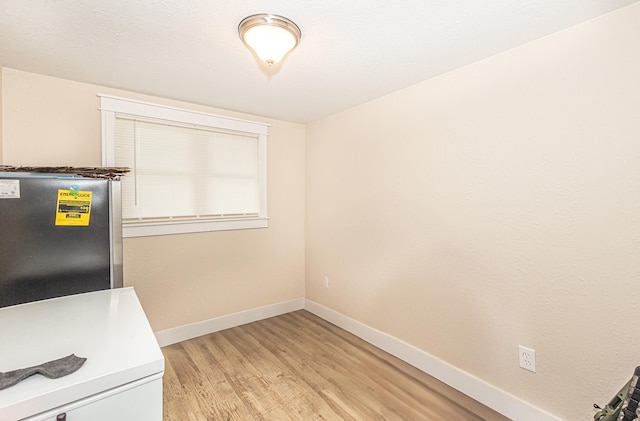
[(59, 235)]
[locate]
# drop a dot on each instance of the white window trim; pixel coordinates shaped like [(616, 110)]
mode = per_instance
[(111, 105)]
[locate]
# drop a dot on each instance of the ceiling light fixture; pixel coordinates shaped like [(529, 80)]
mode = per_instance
[(270, 36)]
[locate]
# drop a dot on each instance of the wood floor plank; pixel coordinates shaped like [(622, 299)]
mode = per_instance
[(385, 391), (299, 367), (343, 375), (204, 395), (294, 393), (247, 381)]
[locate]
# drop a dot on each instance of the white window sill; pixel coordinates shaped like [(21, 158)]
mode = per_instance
[(147, 229)]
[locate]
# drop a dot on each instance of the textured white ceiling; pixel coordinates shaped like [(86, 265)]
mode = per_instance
[(352, 51)]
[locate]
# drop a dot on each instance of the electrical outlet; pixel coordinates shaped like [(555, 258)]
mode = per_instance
[(326, 282), (527, 358)]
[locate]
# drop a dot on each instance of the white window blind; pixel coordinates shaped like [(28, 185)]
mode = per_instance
[(182, 172), (208, 176)]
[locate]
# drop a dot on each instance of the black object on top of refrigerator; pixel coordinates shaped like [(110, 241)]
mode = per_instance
[(59, 235)]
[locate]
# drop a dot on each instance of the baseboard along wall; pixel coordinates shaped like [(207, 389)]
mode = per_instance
[(193, 330), (496, 399)]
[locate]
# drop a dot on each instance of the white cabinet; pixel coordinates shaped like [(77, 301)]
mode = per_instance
[(138, 401), (121, 378)]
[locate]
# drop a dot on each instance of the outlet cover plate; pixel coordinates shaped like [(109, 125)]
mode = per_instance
[(527, 358)]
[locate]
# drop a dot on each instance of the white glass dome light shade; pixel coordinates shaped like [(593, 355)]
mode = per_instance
[(270, 36), (271, 43)]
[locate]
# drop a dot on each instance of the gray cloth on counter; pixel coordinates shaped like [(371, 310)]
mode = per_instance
[(52, 369)]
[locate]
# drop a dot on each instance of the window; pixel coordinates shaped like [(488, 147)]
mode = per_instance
[(190, 171)]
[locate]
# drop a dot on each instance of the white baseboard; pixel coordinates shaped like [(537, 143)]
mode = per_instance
[(496, 399), (193, 330)]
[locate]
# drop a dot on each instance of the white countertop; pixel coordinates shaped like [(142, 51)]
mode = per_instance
[(109, 328)]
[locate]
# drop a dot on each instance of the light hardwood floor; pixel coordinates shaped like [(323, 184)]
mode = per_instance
[(300, 367)]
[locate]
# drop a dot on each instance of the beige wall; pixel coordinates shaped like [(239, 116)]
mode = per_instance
[(1, 117), (493, 206), (180, 279)]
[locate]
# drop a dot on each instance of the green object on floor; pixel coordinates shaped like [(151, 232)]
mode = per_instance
[(612, 410)]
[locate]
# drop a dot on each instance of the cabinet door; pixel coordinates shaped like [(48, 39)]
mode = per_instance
[(137, 401)]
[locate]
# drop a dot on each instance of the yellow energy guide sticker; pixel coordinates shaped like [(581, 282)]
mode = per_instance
[(73, 208)]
